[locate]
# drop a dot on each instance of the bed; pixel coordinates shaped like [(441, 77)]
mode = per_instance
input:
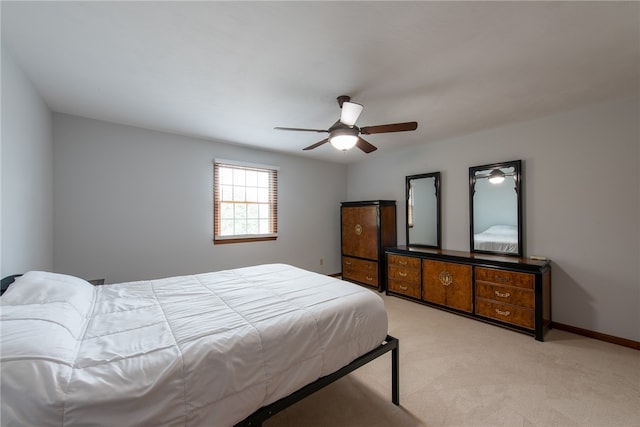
[(218, 349), (497, 238)]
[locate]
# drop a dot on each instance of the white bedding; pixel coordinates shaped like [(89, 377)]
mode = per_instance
[(201, 350), (497, 238)]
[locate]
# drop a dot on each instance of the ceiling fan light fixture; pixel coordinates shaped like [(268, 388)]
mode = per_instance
[(344, 142), (344, 138), (496, 176)]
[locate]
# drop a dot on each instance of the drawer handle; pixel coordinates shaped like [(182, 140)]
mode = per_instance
[(404, 288), (501, 295), (402, 273), (369, 278), (401, 262), (446, 278), (358, 229), (503, 313), (502, 279), (348, 262)]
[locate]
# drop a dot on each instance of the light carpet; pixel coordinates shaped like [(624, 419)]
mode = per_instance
[(460, 372)]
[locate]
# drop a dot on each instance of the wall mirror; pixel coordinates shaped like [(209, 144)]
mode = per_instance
[(423, 210), (495, 200)]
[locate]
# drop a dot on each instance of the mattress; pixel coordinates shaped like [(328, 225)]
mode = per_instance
[(199, 350)]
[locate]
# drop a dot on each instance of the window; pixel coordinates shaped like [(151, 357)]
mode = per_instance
[(245, 199)]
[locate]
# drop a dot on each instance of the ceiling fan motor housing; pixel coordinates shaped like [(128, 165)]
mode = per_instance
[(343, 130), (342, 99)]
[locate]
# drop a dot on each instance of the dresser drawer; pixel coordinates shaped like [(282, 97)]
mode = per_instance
[(359, 264), (404, 261), (506, 313), (359, 270), (411, 289), (508, 278), (405, 274), (369, 278), (507, 295)]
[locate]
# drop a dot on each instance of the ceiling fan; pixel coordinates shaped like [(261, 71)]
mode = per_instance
[(344, 134)]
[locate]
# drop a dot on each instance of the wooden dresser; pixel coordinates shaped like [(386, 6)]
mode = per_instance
[(367, 229), (507, 291)]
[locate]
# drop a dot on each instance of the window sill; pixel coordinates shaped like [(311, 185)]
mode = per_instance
[(243, 240)]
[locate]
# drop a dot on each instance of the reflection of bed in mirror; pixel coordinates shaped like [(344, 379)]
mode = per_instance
[(497, 238)]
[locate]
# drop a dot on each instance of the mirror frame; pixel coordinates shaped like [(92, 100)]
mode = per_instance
[(517, 165), (408, 179)]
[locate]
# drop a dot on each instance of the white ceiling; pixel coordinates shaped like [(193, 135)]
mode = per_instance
[(231, 71)]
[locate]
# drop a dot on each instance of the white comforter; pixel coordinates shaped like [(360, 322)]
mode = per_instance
[(201, 350), (497, 238)]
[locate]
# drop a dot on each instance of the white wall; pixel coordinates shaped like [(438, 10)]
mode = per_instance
[(137, 204), (26, 201), (581, 206)]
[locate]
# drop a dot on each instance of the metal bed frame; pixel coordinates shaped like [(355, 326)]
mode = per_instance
[(390, 344)]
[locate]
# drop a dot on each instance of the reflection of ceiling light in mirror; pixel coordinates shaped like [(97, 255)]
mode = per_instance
[(496, 176)]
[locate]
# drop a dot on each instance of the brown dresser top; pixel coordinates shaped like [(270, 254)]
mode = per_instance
[(470, 257), (369, 203)]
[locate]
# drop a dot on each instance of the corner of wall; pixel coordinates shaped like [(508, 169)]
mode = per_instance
[(26, 200)]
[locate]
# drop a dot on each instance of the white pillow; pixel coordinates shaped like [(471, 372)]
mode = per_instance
[(41, 287)]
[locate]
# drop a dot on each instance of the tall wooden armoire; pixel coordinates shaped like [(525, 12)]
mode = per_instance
[(367, 229)]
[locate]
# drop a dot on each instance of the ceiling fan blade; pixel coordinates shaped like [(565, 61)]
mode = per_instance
[(302, 129), (317, 144), (350, 113), (394, 127), (365, 146)]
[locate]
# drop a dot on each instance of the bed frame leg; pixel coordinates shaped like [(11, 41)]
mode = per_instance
[(395, 374)]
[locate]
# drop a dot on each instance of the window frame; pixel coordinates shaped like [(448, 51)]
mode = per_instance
[(218, 165)]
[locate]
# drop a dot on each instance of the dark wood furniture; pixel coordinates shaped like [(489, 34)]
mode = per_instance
[(448, 284), (503, 290), (368, 227)]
